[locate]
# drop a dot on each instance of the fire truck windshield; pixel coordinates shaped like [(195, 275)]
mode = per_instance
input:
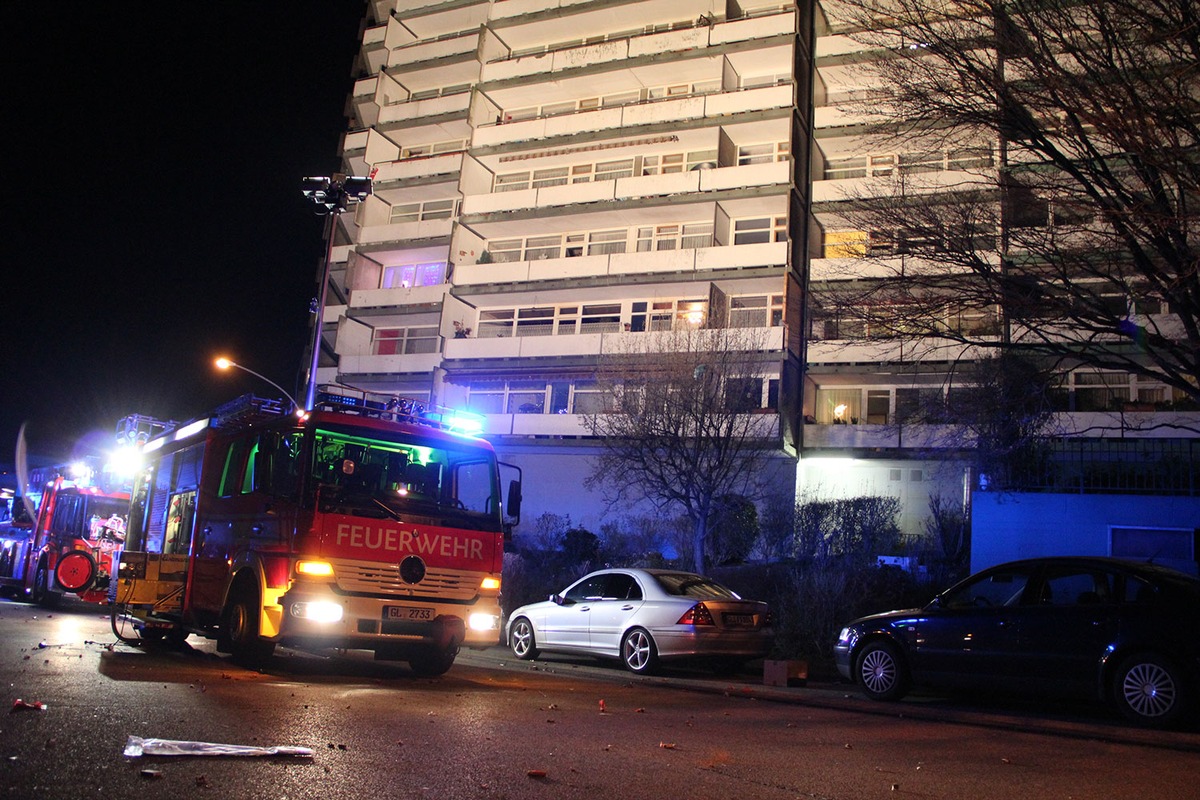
[(381, 478)]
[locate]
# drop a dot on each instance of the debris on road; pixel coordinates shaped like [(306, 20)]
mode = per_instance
[(137, 746), (27, 705)]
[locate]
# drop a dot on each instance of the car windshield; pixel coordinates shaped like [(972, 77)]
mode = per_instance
[(683, 584), (377, 477)]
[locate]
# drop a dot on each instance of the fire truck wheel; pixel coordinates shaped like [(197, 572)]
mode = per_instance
[(76, 571), (245, 645), (432, 663), (41, 594)]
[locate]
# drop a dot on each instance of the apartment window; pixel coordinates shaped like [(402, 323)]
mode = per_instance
[(762, 153), (404, 341), (536, 397), (975, 321), (884, 164), (512, 182), (760, 229), (420, 212), (526, 397), (1100, 391), (535, 321), (604, 318), (743, 395), (686, 236), (495, 323), (845, 244), (605, 242), (879, 402), (552, 176), (668, 163), (920, 405), (542, 247), (838, 406), (408, 275), (759, 311)]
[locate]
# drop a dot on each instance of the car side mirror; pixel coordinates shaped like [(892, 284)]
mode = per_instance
[(558, 599)]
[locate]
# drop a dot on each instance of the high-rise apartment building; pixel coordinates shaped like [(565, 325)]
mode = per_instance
[(551, 180)]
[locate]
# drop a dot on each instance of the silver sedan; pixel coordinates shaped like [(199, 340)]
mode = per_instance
[(642, 616)]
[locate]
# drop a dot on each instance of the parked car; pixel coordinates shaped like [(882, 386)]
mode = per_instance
[(1120, 631), (644, 616)]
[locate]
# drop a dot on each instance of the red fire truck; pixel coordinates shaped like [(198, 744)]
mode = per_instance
[(361, 524), (69, 547)]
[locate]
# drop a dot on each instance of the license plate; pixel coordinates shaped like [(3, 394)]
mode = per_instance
[(407, 613), (741, 620)]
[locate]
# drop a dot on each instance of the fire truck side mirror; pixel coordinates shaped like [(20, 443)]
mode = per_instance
[(512, 507)]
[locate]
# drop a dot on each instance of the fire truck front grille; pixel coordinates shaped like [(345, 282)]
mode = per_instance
[(359, 577)]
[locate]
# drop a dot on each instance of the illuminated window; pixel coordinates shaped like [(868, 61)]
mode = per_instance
[(408, 275)]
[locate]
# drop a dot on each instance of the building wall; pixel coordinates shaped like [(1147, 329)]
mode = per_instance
[(914, 482), (553, 482), (1007, 526)]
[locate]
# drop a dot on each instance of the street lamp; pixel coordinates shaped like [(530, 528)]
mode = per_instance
[(331, 196), (225, 363)]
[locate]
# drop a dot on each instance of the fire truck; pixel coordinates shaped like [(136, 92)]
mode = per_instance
[(361, 524), (69, 547)]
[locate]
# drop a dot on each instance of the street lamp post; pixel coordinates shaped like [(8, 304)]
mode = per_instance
[(225, 363), (331, 196)]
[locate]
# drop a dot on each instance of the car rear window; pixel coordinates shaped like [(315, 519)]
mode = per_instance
[(683, 584)]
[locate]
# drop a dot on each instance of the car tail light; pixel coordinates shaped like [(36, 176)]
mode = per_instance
[(696, 615)]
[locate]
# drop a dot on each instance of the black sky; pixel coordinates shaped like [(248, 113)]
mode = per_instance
[(153, 218)]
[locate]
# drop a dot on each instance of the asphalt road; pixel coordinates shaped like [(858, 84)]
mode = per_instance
[(497, 728)]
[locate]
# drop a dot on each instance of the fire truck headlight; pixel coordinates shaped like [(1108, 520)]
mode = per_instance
[(490, 583), (318, 611), (484, 622), (314, 569)]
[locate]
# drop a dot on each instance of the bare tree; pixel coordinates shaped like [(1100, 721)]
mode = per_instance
[(1070, 234), (681, 426)]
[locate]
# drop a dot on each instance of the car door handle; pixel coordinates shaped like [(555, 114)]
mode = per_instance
[(627, 608)]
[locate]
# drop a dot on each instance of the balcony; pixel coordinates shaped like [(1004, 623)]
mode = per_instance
[(867, 437), (647, 45), (724, 178), (665, 262), (576, 425), (397, 297), (719, 104), (388, 365), (405, 231), (915, 184), (419, 52), (446, 105), (424, 167), (580, 344)]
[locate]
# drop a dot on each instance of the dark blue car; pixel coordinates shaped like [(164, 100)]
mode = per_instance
[(1124, 632)]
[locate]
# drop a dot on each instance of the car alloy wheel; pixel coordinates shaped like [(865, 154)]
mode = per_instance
[(638, 651), (1147, 690), (522, 641), (881, 673)]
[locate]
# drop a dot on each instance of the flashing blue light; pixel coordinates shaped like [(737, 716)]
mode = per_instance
[(463, 422)]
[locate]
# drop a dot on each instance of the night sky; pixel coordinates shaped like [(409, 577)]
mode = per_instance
[(153, 216)]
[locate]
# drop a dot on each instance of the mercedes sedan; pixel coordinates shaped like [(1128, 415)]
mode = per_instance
[(644, 616), (1122, 632)]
